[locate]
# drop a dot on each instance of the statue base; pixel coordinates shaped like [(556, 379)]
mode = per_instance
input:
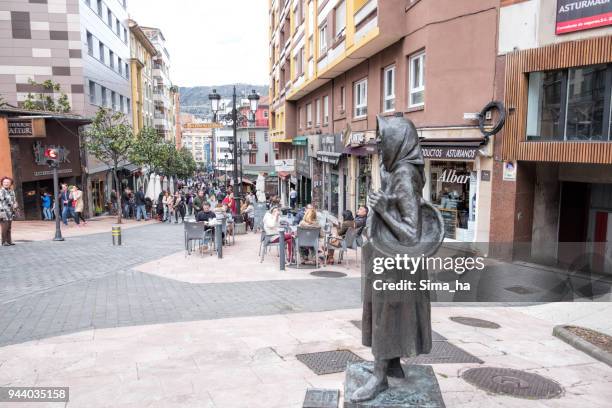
[(419, 388)]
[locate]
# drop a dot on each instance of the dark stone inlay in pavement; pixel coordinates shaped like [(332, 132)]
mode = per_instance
[(328, 362), (328, 274), (443, 352), (472, 321), (511, 382), (435, 336)]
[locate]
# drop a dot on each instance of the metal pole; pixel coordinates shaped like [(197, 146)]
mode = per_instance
[(237, 188), (281, 247), (58, 228), (219, 237)]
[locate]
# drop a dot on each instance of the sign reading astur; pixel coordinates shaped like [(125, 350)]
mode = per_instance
[(578, 15)]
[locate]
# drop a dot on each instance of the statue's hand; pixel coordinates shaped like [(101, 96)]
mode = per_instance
[(379, 201)]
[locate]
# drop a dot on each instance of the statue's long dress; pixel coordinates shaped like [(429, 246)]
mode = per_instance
[(396, 323)]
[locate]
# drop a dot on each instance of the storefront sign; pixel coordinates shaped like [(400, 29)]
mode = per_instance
[(209, 125), (329, 157), (451, 176), (444, 152), (509, 171), (579, 15), (287, 165), (27, 127), (485, 175)]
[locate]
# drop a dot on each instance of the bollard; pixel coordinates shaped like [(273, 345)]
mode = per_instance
[(219, 237), (281, 247), (116, 232)]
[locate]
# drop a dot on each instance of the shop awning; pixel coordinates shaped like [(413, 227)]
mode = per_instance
[(280, 140), (365, 150), (284, 174), (453, 149), (300, 140)]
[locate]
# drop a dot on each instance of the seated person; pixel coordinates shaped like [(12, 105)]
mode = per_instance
[(341, 230), (248, 214), (309, 221), (205, 214), (271, 224)]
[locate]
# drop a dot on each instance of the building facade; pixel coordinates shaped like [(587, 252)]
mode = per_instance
[(337, 64), (554, 167), (83, 45), (142, 52), (164, 93)]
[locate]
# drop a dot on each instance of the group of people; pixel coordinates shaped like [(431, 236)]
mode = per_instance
[(307, 218)]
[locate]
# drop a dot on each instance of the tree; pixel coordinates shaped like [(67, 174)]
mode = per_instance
[(110, 139), (149, 150), (46, 101)]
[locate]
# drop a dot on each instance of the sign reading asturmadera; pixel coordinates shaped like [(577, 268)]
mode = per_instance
[(578, 15)]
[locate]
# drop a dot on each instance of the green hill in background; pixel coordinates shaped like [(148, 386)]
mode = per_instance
[(194, 99)]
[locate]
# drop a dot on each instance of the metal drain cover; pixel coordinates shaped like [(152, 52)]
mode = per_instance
[(443, 352), (328, 274), (328, 362), (511, 382), (521, 290), (472, 321)]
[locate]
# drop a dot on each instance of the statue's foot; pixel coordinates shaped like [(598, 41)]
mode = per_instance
[(395, 368), (370, 390)]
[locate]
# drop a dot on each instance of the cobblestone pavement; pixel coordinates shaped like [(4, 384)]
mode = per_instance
[(49, 288)]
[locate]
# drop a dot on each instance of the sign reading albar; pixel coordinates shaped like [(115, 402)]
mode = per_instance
[(578, 15)]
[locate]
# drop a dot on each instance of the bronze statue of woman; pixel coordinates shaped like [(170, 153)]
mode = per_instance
[(397, 324)]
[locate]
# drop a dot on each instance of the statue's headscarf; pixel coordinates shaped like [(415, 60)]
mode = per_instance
[(399, 142)]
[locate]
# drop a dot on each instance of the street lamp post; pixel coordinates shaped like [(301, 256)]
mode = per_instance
[(233, 118), (225, 167), (52, 157)]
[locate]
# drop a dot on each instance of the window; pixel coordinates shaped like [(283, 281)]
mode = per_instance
[(360, 97), (416, 80), (101, 52), (99, 8), (111, 59), (310, 47), (265, 113), (323, 39), (109, 17), (300, 123), (89, 43), (120, 103), (342, 99), (127, 71), (104, 101), (113, 100), (128, 107), (308, 115), (340, 19), (325, 110), (120, 65), (302, 59), (125, 37), (265, 135), (266, 158), (92, 92), (389, 89), (318, 112), (252, 158), (570, 104), (117, 27)]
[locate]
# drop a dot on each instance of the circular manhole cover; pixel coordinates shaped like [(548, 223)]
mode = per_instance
[(328, 274), (472, 321), (511, 382)]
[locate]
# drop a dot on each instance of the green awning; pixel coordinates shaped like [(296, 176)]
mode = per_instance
[(300, 140)]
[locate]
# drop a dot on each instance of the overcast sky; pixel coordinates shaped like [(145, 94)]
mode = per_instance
[(210, 42)]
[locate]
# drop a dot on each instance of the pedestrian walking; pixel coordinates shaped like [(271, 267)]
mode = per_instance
[(77, 205), (140, 202), (292, 197), (125, 202), (8, 210), (167, 202), (46, 206), (66, 202), (178, 205)]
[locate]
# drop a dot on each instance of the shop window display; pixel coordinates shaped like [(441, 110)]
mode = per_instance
[(453, 191)]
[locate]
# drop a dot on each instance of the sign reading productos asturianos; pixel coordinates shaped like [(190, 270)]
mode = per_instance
[(578, 15), (443, 152)]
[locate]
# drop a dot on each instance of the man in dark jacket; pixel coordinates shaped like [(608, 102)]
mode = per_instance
[(360, 223), (140, 202), (198, 203)]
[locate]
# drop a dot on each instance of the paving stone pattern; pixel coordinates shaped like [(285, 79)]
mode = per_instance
[(50, 288)]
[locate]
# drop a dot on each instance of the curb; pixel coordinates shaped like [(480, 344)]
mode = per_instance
[(573, 340)]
